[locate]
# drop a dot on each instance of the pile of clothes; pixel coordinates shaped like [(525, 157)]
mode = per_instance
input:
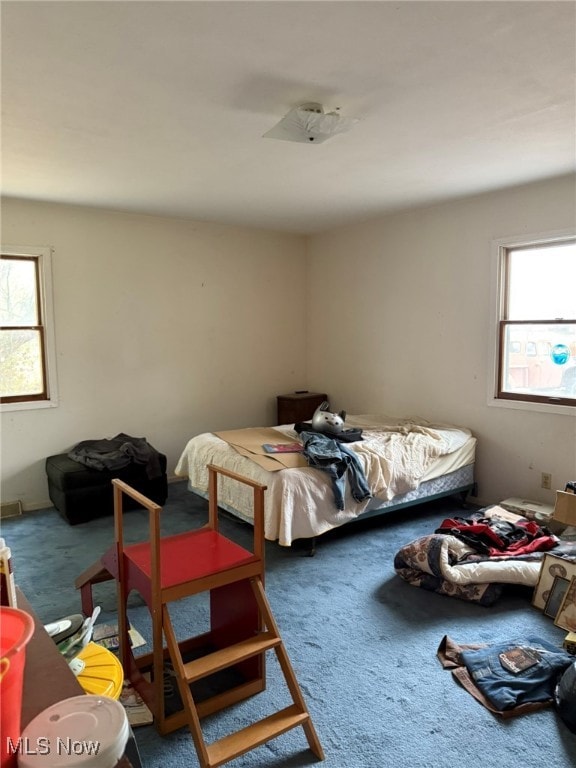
[(493, 537), (515, 677), (116, 453)]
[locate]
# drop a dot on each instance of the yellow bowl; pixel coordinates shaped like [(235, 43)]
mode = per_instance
[(98, 671)]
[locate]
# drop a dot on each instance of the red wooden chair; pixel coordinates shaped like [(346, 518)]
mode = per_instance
[(166, 569)]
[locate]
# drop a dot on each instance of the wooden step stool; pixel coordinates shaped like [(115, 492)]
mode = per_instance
[(242, 628)]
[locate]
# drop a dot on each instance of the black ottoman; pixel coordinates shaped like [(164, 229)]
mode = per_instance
[(81, 494)]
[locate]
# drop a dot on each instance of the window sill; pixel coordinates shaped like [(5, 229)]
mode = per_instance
[(30, 405), (523, 405)]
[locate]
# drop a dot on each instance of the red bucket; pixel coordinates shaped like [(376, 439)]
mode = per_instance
[(16, 628)]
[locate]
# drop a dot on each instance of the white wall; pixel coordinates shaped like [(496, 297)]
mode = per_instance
[(399, 319), (165, 328)]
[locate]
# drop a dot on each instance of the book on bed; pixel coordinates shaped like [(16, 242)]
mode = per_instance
[(283, 447)]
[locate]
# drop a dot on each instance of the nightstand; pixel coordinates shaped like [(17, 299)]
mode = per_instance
[(298, 406)]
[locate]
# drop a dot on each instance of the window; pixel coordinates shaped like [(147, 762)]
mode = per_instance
[(536, 339), (27, 371)]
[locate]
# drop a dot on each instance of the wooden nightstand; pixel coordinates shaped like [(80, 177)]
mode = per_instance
[(298, 406)]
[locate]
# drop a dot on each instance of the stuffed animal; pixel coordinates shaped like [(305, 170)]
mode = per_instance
[(325, 421)]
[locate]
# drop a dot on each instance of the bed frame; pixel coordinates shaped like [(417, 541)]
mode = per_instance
[(458, 483)]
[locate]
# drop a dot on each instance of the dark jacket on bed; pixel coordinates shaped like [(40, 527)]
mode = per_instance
[(351, 435)]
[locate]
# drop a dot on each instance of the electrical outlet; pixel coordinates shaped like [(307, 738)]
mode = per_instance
[(546, 481)]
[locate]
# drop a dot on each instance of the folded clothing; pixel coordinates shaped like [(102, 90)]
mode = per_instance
[(518, 671)]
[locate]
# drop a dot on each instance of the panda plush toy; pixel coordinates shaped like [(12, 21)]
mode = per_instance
[(325, 421)]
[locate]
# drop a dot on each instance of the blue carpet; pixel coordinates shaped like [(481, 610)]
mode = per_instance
[(362, 641)]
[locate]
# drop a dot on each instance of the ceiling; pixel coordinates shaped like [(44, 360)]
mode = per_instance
[(160, 107)]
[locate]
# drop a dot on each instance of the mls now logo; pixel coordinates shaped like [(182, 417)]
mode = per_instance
[(44, 746)]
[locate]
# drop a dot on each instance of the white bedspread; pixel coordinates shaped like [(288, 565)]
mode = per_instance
[(398, 453), (299, 503)]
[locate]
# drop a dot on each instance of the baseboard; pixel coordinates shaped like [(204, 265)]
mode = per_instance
[(34, 506)]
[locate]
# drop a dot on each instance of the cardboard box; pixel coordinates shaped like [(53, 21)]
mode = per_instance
[(570, 643), (565, 508), (533, 510)]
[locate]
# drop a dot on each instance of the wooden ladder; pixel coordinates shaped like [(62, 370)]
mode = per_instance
[(166, 569), (252, 736)]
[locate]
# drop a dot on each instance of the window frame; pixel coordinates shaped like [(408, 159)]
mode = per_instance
[(42, 255), (499, 287)]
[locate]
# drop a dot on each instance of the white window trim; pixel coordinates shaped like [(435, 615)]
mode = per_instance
[(45, 263), (496, 297)]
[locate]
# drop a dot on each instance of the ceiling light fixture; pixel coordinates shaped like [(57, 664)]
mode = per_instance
[(309, 124)]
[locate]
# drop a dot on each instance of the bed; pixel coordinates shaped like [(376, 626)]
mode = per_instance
[(406, 461)]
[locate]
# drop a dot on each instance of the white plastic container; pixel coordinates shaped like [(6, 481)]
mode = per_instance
[(79, 732)]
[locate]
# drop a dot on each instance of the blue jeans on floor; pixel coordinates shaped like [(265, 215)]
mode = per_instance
[(507, 689)]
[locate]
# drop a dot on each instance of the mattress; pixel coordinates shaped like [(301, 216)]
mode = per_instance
[(299, 503)]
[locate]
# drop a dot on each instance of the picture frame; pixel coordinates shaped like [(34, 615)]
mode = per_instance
[(552, 566), (566, 617), (556, 596)]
